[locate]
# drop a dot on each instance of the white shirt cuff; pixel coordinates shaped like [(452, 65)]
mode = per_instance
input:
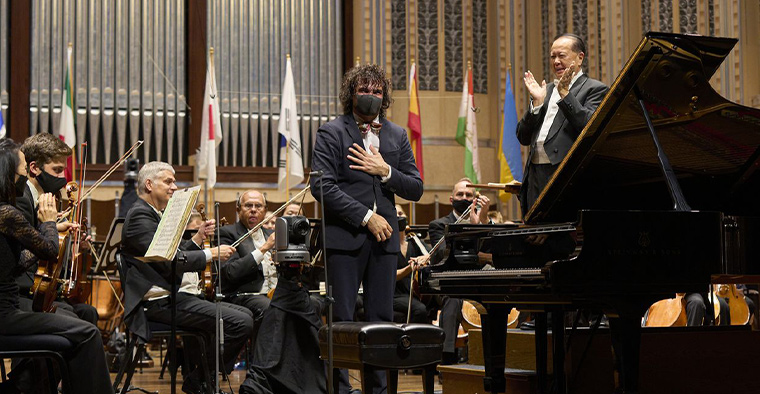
[(258, 256), (535, 110), (386, 178), (366, 217), (207, 252)]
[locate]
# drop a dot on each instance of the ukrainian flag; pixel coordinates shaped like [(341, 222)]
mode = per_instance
[(510, 157)]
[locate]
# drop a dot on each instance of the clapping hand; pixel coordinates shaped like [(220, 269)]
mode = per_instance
[(563, 86), (537, 91)]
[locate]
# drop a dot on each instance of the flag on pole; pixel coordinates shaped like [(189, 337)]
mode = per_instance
[(291, 157), (510, 157), (2, 126), (211, 129), (67, 128), (414, 123), (467, 131)]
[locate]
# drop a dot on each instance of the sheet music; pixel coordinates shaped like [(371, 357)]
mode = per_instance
[(172, 225)]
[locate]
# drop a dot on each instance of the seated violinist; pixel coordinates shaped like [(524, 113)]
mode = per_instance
[(147, 284), (86, 363), (250, 273), (46, 157)]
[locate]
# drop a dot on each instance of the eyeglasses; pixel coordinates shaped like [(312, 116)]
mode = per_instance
[(256, 206)]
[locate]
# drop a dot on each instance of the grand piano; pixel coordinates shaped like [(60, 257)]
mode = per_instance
[(658, 195)]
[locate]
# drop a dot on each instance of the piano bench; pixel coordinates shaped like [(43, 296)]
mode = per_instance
[(383, 345)]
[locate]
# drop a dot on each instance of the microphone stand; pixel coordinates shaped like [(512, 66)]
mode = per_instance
[(328, 286), (218, 297)]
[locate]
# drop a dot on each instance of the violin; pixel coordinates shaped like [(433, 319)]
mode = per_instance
[(415, 285), (209, 274), (48, 276)]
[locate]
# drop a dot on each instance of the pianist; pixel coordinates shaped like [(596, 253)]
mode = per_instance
[(558, 113)]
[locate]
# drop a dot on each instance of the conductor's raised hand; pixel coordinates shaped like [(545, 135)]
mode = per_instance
[(372, 164), (563, 86), (537, 91), (379, 227), (223, 251)]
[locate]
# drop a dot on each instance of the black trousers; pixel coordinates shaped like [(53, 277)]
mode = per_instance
[(538, 177), (195, 314), (85, 312), (86, 364), (256, 304), (375, 269)]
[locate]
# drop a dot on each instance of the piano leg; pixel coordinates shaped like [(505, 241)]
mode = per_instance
[(626, 336), (558, 349), (494, 325), (541, 351)]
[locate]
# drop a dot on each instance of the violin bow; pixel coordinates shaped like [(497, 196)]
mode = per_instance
[(105, 176)]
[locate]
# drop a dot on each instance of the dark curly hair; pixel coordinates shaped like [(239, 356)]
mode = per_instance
[(367, 74)]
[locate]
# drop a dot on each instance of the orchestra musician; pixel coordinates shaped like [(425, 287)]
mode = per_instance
[(269, 225), (46, 157), (147, 284), (365, 160), (292, 209), (461, 198), (250, 269), (86, 363), (558, 113)]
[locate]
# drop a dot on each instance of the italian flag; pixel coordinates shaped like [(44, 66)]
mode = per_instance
[(467, 131), (67, 128), (414, 123)]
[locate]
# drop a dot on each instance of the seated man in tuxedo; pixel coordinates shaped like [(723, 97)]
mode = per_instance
[(147, 284), (250, 273)]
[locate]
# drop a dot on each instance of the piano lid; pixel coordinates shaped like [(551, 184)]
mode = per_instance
[(712, 143)]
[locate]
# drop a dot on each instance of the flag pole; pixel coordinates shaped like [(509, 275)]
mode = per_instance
[(287, 143)]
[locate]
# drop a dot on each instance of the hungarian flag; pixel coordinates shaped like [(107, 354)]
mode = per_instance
[(414, 124), (67, 128), (510, 157), (211, 129), (467, 131), (291, 157)]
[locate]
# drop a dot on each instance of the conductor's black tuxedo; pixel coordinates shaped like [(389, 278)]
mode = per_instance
[(574, 112)]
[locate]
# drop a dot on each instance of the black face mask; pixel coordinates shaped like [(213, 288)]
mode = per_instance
[(49, 183), (20, 185), (402, 223), (368, 104), (461, 205)]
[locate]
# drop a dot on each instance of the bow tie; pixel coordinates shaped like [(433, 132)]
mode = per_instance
[(374, 126)]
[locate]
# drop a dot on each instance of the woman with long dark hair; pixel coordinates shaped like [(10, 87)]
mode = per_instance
[(86, 362)]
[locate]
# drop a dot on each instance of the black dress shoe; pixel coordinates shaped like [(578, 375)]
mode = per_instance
[(528, 325)]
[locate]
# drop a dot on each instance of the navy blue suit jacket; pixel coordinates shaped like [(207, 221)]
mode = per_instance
[(348, 194)]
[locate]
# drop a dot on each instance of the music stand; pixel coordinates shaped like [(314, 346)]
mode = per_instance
[(107, 258)]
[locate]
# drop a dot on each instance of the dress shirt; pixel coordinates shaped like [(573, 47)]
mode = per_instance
[(540, 156)]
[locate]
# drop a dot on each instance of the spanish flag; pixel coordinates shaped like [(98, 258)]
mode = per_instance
[(414, 123)]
